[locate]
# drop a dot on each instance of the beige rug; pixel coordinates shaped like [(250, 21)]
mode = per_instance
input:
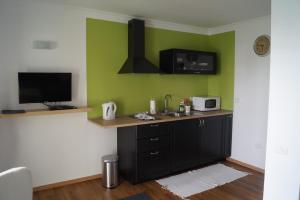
[(200, 180)]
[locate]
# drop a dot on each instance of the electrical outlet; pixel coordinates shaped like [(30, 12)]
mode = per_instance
[(281, 150)]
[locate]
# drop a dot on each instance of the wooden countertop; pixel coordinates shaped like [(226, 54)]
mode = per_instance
[(124, 121), (39, 112)]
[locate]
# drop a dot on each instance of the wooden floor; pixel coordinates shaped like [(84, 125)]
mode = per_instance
[(247, 188)]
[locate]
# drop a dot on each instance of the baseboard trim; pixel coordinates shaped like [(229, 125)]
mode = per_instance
[(98, 176), (257, 169), (65, 183)]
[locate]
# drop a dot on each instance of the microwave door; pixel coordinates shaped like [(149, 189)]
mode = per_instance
[(210, 103)]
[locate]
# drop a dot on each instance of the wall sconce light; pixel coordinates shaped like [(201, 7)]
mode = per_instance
[(44, 44)]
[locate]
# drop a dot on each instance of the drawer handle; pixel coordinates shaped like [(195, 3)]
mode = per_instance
[(154, 125), (154, 153), (154, 139)]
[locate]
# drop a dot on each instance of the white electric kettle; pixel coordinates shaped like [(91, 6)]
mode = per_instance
[(109, 110)]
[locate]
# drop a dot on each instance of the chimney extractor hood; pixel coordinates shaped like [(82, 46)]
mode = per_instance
[(136, 61)]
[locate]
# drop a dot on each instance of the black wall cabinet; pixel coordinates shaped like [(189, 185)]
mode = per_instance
[(151, 151)]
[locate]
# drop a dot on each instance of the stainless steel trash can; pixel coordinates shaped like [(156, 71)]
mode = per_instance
[(110, 171)]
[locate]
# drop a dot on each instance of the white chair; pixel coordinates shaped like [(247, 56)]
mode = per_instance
[(16, 184)]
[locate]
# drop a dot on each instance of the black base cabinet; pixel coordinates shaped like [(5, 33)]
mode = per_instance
[(152, 151), (185, 144), (211, 139)]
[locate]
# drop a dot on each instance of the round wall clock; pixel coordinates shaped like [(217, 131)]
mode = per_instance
[(262, 45)]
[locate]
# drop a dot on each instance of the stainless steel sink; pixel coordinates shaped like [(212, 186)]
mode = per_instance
[(178, 114), (174, 114), (145, 117)]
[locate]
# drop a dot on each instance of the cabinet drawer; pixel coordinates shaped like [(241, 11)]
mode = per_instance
[(154, 164), (152, 130), (155, 142)]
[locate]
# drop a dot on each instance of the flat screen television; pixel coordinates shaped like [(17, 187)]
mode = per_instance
[(44, 87)]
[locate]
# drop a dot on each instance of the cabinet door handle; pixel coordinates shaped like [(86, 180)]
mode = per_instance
[(154, 125), (201, 122), (154, 153), (154, 139)]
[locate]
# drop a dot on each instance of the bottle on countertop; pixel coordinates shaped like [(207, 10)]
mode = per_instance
[(181, 107), (152, 107)]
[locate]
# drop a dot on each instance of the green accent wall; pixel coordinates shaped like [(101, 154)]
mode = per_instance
[(222, 84), (107, 51)]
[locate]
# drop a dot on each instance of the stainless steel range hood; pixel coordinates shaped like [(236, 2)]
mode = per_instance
[(136, 61)]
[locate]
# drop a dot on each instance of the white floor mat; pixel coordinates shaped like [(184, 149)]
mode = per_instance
[(193, 182)]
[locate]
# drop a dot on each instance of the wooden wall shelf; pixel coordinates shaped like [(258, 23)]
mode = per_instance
[(40, 112)]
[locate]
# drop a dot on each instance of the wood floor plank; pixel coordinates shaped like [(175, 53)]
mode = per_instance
[(47, 195), (246, 188), (36, 196)]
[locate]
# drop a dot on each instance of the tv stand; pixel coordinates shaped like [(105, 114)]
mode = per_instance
[(60, 107)]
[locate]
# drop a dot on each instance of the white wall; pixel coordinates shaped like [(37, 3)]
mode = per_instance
[(55, 148), (250, 91), (282, 180)]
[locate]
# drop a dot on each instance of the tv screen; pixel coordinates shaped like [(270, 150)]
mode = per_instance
[(44, 87)]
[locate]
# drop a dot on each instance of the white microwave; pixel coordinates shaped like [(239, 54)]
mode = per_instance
[(206, 103)]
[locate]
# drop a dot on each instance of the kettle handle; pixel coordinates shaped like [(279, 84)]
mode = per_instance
[(115, 107)]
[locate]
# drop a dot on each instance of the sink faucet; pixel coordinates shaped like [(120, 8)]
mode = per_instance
[(167, 99)]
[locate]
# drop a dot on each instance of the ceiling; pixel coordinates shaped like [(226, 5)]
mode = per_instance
[(204, 13)]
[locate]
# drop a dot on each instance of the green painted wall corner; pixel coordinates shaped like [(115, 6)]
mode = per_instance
[(222, 84)]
